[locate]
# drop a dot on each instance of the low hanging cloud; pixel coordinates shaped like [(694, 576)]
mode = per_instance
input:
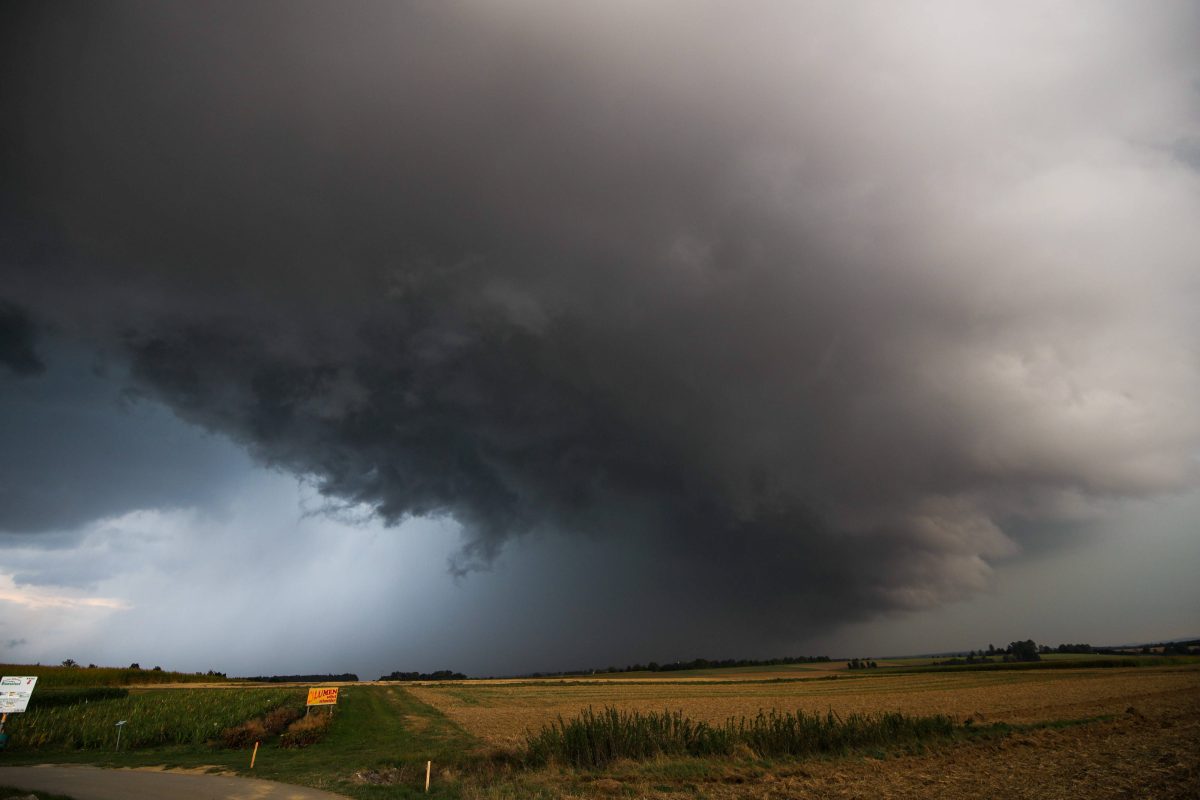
[(831, 309)]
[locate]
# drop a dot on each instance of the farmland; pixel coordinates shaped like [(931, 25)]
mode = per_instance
[(57, 677), (1058, 732), (159, 717), (500, 714)]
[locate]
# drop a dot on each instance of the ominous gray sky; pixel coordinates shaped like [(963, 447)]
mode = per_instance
[(534, 335)]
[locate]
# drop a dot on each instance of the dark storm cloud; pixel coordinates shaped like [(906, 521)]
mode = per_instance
[(821, 307), (77, 449), (17, 340)]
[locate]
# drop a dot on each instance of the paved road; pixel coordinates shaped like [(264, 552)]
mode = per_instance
[(93, 783)]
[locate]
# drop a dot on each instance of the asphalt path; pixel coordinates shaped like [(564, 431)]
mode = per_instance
[(93, 783)]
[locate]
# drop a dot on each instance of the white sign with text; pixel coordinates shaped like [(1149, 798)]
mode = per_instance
[(14, 692)]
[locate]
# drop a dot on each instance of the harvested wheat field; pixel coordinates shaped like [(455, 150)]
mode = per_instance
[(1111, 733), (1153, 755), (501, 714)]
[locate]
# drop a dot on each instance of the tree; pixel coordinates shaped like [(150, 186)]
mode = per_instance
[(70, 662), (1024, 651), (135, 665)]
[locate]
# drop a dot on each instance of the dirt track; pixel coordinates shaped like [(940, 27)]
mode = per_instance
[(92, 783)]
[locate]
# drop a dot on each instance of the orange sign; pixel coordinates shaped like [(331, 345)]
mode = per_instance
[(323, 697)]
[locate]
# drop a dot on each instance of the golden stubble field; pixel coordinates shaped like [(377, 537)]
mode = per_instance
[(1141, 740), (501, 713)]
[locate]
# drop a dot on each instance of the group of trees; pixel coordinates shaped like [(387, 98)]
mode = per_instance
[(1027, 650), (861, 663)]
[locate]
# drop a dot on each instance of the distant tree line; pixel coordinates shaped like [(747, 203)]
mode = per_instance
[(440, 675), (861, 663), (71, 663), (1029, 650), (674, 666), (347, 677), (727, 663), (1180, 648)]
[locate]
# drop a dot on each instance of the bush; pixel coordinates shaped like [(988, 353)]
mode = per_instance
[(273, 723), (277, 720), (240, 737), (306, 730)]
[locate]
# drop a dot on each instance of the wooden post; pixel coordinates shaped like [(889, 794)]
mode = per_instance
[(254, 755), (428, 767)]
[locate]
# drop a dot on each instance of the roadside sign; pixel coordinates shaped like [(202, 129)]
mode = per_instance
[(15, 691), (326, 696)]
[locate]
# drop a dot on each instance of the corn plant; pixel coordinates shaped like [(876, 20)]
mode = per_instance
[(158, 717)]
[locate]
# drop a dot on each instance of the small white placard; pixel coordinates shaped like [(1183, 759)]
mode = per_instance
[(14, 692)]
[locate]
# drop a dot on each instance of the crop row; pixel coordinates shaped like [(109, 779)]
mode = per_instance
[(160, 717)]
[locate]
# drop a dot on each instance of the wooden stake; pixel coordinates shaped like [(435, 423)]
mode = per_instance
[(428, 767), (254, 755)]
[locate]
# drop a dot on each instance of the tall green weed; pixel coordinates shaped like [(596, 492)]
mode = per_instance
[(595, 739)]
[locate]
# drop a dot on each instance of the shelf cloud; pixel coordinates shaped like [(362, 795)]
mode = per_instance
[(830, 309)]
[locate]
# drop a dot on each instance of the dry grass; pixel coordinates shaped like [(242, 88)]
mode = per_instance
[(1148, 748), (306, 730), (501, 714)]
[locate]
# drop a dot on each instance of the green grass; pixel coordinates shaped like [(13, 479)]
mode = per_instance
[(375, 728)]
